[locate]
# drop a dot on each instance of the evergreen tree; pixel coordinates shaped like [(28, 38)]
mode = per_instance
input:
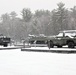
[(59, 18)]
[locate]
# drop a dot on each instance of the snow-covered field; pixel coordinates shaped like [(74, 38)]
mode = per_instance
[(17, 62)]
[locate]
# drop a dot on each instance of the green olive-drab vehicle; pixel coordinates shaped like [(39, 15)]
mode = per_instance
[(67, 37), (38, 40), (4, 40)]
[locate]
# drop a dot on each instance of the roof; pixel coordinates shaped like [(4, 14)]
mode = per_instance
[(39, 37)]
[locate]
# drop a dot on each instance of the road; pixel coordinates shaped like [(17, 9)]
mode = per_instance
[(52, 50)]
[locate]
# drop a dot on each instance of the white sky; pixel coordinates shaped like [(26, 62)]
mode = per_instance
[(17, 5)]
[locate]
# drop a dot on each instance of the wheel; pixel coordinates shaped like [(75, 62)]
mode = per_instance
[(5, 45), (70, 45), (59, 46), (50, 44)]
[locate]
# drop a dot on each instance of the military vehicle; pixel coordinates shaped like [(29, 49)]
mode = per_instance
[(67, 37), (4, 40), (37, 40)]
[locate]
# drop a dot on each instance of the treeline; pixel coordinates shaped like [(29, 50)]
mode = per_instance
[(41, 22)]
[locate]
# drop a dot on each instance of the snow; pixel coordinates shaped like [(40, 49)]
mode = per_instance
[(46, 48), (7, 46), (17, 62)]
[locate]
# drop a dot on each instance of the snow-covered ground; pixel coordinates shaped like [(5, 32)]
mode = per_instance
[(46, 48), (17, 62)]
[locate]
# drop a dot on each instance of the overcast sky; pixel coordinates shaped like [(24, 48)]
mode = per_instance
[(6, 6)]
